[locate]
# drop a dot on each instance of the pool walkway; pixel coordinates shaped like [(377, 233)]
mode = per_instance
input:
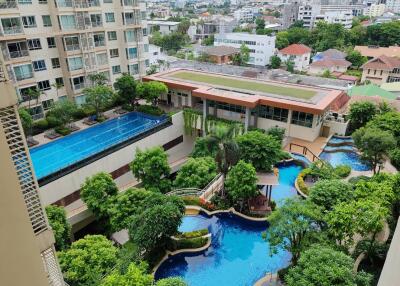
[(316, 146)]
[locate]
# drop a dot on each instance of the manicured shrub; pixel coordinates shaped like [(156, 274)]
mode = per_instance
[(41, 124), (53, 121), (355, 180), (63, 130), (191, 243), (300, 181), (193, 234), (343, 171), (395, 158), (149, 109)]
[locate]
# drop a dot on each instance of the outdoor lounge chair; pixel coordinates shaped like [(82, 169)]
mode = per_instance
[(51, 134), (120, 110), (31, 142), (73, 127), (91, 120)]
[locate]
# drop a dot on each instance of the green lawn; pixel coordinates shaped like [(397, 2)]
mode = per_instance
[(243, 84)]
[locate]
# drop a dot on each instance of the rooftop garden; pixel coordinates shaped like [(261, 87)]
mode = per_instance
[(243, 84)]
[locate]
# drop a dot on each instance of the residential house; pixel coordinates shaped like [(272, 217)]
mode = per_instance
[(220, 54), (298, 53), (375, 51), (381, 70), (331, 60)]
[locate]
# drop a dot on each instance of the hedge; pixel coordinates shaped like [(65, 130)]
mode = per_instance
[(193, 234)]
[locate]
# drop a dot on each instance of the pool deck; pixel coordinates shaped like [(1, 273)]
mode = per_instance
[(316, 146)]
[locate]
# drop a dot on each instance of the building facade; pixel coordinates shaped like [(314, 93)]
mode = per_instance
[(27, 247), (374, 10), (299, 54), (381, 70), (393, 6), (53, 46), (261, 46), (164, 27)]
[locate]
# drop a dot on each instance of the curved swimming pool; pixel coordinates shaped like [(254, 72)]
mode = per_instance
[(238, 256)]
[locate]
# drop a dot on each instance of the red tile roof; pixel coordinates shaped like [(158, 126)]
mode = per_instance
[(382, 63), (296, 49), (331, 62)]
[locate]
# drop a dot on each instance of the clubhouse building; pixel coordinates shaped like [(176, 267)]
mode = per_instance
[(304, 112)]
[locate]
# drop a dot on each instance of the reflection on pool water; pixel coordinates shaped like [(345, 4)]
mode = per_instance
[(238, 256)]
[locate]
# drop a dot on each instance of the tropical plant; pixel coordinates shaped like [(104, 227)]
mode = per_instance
[(196, 173), (243, 57), (151, 91), (125, 86), (361, 113), (275, 62), (88, 260), (57, 217), (64, 111), (136, 275), (152, 169), (26, 120), (98, 98), (172, 281), (201, 148), (98, 79)]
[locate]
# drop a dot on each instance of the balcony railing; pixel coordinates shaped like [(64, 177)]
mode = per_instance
[(97, 24), (12, 30), (72, 47), (24, 76), (78, 4), (132, 21), (134, 3), (8, 5), (18, 54), (79, 86), (100, 43)]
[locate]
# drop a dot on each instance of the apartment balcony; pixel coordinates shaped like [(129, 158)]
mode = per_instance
[(98, 44), (8, 5), (132, 21), (128, 3), (70, 48), (77, 4), (97, 24), (9, 31)]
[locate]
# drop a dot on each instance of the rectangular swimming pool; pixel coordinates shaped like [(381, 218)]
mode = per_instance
[(59, 154)]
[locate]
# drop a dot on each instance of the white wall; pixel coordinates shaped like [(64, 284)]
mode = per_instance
[(70, 183)]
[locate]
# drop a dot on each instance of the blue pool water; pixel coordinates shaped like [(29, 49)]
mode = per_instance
[(336, 140), (345, 158), (338, 148), (61, 153), (288, 173), (238, 255)]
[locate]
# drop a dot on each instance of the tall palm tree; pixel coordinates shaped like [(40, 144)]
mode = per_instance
[(227, 154)]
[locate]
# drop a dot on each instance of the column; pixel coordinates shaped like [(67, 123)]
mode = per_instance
[(247, 119), (205, 114)]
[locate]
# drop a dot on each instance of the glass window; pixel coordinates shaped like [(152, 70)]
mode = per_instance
[(302, 118), (11, 25), (116, 69), (107, 1), (147, 62), (47, 104), (102, 59), (71, 43), (55, 63), (51, 42), (110, 18), (39, 65), (60, 81), (67, 22), (273, 113), (130, 36), (114, 53), (36, 112), (227, 106), (133, 69), (78, 82), (144, 32), (24, 1), (146, 48), (80, 100), (96, 20), (99, 40), (131, 53), (75, 63), (29, 21), (112, 35), (44, 85), (23, 72), (46, 21)]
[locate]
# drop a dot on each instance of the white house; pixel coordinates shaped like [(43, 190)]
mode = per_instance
[(164, 27), (261, 46), (246, 14), (299, 54)]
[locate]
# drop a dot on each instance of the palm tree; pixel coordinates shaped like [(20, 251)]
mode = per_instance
[(227, 155), (33, 94), (57, 86)]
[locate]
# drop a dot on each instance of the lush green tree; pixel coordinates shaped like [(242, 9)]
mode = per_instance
[(297, 24), (125, 206), (356, 59), (328, 193), (292, 226), (298, 36), (389, 121), (201, 148), (282, 40), (261, 150), (275, 62), (325, 266), (98, 192), (98, 98), (161, 199), (277, 132), (125, 86), (26, 120), (33, 94), (172, 281), (151, 168), (360, 113), (241, 183), (196, 173), (243, 57), (171, 42), (374, 144), (209, 41), (328, 36), (151, 91), (98, 79), (183, 26), (385, 34), (260, 23), (57, 217), (136, 275), (64, 111), (289, 63), (88, 260), (154, 226)]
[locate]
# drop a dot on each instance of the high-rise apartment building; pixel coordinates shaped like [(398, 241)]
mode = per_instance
[(27, 243), (54, 45)]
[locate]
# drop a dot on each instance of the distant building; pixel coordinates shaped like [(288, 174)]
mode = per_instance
[(331, 65), (246, 14), (289, 14), (374, 51), (298, 53), (381, 70), (345, 18), (393, 5), (261, 46), (215, 24), (221, 54), (374, 10), (164, 27), (330, 54)]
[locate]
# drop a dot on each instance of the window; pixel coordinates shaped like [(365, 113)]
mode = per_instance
[(302, 118), (110, 18), (51, 42), (146, 48), (144, 32), (78, 82), (96, 20), (36, 112), (75, 63), (225, 106), (44, 85), (24, 1), (273, 113), (133, 69), (107, 1), (130, 36), (29, 21), (71, 43), (112, 35), (47, 104), (102, 59), (99, 40), (131, 53), (60, 81), (143, 15), (39, 65), (46, 21), (147, 63), (24, 92), (11, 25), (23, 72), (80, 100), (114, 53), (55, 63), (67, 22), (116, 69), (42, 1)]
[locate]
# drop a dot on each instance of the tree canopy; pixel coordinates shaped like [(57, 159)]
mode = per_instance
[(63, 110), (98, 97), (125, 86), (88, 260), (136, 275), (151, 168), (151, 91), (57, 217), (243, 57), (196, 173), (26, 120), (261, 150), (275, 62), (361, 113)]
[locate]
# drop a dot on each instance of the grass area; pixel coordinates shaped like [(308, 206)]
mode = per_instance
[(243, 84)]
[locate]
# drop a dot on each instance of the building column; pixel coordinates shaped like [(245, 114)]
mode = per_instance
[(256, 118), (289, 123), (247, 119), (205, 114)]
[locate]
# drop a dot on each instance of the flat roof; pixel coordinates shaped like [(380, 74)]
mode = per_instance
[(160, 22), (249, 92)]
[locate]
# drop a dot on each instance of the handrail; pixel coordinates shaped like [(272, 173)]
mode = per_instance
[(305, 151), (193, 191)]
